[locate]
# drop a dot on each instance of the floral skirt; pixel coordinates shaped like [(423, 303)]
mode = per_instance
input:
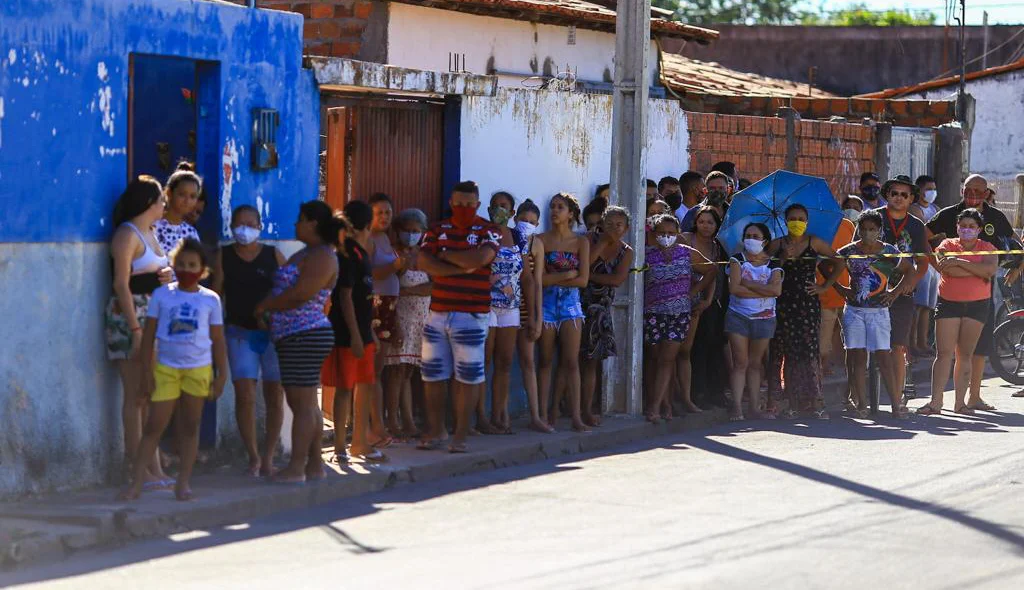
[(666, 327), (385, 318), (411, 312), (118, 332)]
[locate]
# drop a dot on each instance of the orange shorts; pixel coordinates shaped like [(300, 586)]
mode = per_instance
[(343, 370)]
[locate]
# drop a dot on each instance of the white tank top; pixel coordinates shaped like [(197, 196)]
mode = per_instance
[(150, 261)]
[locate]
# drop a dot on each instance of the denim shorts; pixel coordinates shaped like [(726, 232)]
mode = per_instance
[(454, 343), (927, 292), (561, 304), (250, 352), (752, 328), (866, 328)]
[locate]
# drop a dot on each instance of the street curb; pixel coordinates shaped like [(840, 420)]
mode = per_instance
[(118, 525)]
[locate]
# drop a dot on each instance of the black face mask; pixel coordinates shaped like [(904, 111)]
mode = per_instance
[(674, 200), (716, 198), (870, 192)]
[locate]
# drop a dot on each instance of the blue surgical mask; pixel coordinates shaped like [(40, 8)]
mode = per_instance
[(410, 238)]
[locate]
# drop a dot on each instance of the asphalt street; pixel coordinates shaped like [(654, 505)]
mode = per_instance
[(930, 502)]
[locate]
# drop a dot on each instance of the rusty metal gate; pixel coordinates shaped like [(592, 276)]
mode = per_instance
[(912, 152), (384, 146)]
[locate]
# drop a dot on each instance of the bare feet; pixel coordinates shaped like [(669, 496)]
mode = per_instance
[(540, 426), (183, 493)]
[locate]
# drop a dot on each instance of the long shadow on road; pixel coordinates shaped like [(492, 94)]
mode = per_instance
[(328, 517)]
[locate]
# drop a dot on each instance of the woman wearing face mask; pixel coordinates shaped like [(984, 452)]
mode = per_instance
[(610, 261), (754, 283), (701, 372), (964, 295), (244, 277), (183, 188), (562, 277), (668, 303), (411, 314), (852, 206), (530, 310), (866, 325), (796, 341), (927, 292), (654, 209), (507, 284)]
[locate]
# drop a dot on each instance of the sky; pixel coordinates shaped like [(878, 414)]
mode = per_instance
[(1005, 12)]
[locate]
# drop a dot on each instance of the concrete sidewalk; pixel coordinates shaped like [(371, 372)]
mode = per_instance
[(51, 528)]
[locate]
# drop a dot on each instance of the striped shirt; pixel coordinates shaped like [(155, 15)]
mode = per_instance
[(466, 293)]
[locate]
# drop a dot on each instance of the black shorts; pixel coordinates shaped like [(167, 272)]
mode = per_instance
[(301, 356), (975, 310), (901, 321), (986, 342)]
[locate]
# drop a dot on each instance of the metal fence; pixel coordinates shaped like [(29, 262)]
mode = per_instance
[(912, 151)]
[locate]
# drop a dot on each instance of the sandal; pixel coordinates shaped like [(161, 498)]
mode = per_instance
[(383, 443), (982, 406), (341, 458), (789, 415), (376, 456), (928, 410), (821, 414), (455, 448), (158, 486), (433, 444), (965, 410), (1018, 394)]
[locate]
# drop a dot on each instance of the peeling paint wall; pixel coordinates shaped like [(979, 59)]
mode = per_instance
[(504, 44), (64, 106), (556, 141), (64, 161), (997, 140)]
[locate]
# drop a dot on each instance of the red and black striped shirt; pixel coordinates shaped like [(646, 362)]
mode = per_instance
[(466, 293)]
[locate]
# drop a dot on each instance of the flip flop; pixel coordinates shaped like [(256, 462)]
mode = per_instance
[(339, 459), (383, 443), (434, 444), (158, 486), (1018, 394), (965, 410), (456, 448), (375, 457), (928, 410), (982, 406), (289, 481)]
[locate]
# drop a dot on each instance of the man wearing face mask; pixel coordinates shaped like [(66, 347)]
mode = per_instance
[(719, 190), (457, 253), (668, 188), (907, 234), (691, 187), (997, 231), (871, 191)]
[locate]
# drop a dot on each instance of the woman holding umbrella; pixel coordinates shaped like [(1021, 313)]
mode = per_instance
[(799, 311)]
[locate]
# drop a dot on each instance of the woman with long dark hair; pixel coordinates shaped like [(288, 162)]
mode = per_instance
[(563, 277), (303, 334), (183, 189), (140, 266), (531, 315)]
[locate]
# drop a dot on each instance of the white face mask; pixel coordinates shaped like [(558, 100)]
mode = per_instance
[(930, 196), (410, 238), (851, 214), (526, 228), (245, 235), (666, 241), (754, 246)]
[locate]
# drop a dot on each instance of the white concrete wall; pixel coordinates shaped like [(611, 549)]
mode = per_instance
[(997, 141), (60, 398), (556, 141), (422, 38)]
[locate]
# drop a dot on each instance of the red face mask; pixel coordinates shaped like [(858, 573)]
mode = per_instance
[(463, 215), (973, 200), (187, 279)]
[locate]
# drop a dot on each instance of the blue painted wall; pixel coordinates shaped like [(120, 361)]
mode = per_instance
[(64, 76)]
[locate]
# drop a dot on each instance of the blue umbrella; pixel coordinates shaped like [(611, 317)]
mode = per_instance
[(766, 201)]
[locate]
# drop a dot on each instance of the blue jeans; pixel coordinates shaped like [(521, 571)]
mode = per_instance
[(455, 343)]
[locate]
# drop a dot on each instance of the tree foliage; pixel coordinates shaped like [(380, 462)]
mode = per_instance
[(782, 12)]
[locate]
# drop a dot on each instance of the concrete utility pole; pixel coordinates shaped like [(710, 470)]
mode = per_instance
[(629, 134), (984, 46)]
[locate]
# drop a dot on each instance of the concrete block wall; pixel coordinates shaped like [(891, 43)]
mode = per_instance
[(837, 152)]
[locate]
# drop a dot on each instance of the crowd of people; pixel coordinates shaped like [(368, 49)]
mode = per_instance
[(381, 307)]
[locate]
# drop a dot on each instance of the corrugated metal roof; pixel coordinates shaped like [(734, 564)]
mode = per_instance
[(683, 74), (566, 12), (944, 82)]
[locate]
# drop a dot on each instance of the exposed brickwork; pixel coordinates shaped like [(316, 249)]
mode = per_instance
[(903, 113), (837, 152), (332, 28)]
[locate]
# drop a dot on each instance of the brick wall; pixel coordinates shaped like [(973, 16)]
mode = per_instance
[(837, 152), (903, 113), (335, 28)]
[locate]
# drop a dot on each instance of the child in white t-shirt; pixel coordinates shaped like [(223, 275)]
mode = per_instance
[(187, 321)]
